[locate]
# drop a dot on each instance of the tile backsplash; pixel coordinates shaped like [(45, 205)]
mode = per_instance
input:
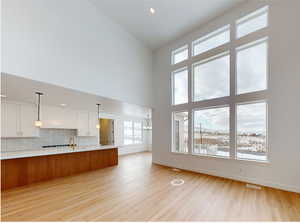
[(47, 137)]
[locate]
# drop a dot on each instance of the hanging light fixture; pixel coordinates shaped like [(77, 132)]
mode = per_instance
[(38, 122), (148, 125), (98, 115)]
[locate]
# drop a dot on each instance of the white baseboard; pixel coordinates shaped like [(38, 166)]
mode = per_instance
[(239, 178), (123, 150)]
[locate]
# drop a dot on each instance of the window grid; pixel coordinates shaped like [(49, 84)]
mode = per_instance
[(133, 133), (233, 99)]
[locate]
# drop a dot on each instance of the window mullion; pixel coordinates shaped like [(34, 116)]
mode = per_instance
[(232, 118), (132, 126), (190, 95)]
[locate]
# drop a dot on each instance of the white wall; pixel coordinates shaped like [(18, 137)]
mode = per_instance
[(283, 171), (71, 44)]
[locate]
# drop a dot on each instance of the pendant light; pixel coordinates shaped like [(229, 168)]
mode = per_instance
[(148, 125), (98, 115), (38, 122)]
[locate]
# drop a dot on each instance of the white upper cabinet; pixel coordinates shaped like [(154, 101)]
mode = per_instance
[(17, 120), (28, 115), (86, 123), (58, 118), (82, 123), (93, 119)]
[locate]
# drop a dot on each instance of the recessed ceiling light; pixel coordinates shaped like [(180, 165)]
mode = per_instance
[(63, 105), (152, 10), (3, 96)]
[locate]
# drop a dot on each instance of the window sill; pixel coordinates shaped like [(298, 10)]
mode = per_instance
[(253, 161)]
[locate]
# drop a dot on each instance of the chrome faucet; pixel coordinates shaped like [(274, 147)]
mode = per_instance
[(72, 142)]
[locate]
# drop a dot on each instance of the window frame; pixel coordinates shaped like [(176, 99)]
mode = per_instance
[(204, 61), (172, 130), (193, 122), (132, 133), (267, 127), (185, 68), (234, 99), (179, 50), (209, 36), (252, 15), (247, 46)]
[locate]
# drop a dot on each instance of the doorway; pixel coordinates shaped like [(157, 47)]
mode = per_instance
[(106, 131)]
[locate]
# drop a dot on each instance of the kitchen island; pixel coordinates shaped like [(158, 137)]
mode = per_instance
[(20, 168)]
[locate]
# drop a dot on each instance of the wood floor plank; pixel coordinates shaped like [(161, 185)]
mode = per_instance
[(137, 190)]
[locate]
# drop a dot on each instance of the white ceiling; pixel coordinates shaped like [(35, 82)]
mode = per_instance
[(172, 19)]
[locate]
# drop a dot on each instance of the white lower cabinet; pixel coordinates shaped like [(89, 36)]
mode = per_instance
[(86, 123), (17, 120)]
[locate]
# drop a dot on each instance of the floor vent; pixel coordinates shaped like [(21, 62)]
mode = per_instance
[(252, 186), (177, 182), (176, 170)]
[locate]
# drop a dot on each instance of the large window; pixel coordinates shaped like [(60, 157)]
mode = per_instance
[(211, 78), (212, 40), (180, 54), (252, 22), (132, 132), (251, 131), (226, 115), (252, 67), (180, 132), (211, 131), (180, 86)]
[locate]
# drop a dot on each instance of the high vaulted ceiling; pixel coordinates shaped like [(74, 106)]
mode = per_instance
[(172, 19)]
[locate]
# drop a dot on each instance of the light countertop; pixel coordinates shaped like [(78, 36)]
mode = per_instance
[(51, 151)]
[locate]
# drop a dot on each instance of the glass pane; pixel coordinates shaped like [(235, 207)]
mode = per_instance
[(252, 22), (251, 131), (137, 132), (128, 132), (252, 68), (180, 55), (127, 124), (137, 125), (211, 79), (128, 141), (212, 40), (180, 88), (211, 132), (180, 132)]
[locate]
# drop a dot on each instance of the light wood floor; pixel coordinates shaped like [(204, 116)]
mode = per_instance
[(136, 190)]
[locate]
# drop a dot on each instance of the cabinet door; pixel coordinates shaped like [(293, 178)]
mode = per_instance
[(51, 117), (93, 121), (28, 115), (83, 124), (69, 119), (9, 120)]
